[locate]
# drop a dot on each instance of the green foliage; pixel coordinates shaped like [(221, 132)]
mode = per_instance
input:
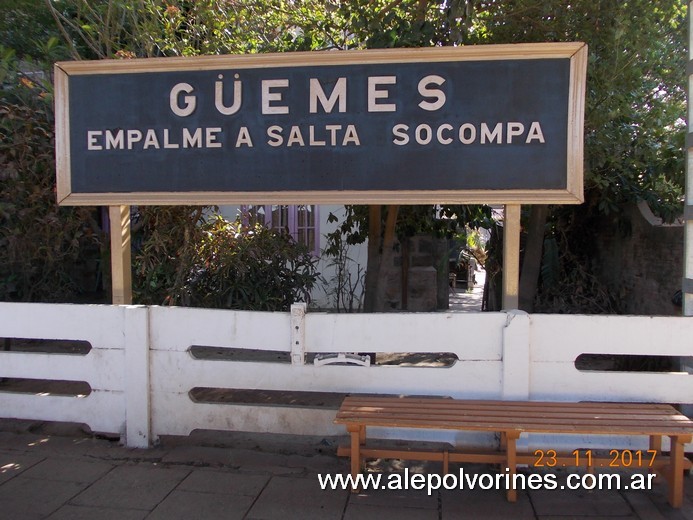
[(151, 28), (377, 24), (164, 240), (254, 268), (634, 126), (568, 285), (47, 253), (185, 258), (26, 26)]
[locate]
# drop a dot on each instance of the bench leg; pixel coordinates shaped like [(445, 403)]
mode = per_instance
[(511, 460), (676, 456), (656, 444), (356, 432)]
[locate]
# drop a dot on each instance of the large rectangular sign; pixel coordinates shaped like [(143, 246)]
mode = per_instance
[(492, 124)]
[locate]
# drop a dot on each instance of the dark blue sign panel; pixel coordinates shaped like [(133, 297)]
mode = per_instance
[(398, 126)]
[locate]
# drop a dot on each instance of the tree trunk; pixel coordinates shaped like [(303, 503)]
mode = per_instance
[(380, 253), (531, 264), (373, 262), (387, 259), (405, 273)]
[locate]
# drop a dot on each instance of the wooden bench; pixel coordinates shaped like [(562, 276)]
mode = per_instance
[(511, 419)]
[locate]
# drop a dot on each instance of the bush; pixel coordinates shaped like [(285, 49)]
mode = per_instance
[(47, 253), (215, 263), (244, 267)]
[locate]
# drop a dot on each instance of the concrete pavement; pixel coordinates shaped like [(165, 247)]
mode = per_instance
[(216, 475), (468, 299)]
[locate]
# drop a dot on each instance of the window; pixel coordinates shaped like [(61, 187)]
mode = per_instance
[(300, 221)]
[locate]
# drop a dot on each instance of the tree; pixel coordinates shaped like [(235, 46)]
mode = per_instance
[(47, 253), (635, 94), (633, 118), (107, 28), (26, 27)]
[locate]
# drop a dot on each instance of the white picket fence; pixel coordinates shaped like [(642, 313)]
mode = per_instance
[(141, 370)]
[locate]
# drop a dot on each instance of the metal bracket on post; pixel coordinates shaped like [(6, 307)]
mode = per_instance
[(298, 334), (342, 358)]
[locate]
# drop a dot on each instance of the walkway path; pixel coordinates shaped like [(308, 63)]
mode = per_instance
[(240, 476), (464, 300)]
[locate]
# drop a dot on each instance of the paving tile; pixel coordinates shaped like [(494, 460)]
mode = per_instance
[(68, 470), (319, 463), (276, 463), (28, 498), (107, 450), (302, 497), (578, 503), (412, 498), (70, 512), (185, 505), (13, 464), (62, 446), (22, 442), (357, 511), (198, 456), (642, 505), (132, 487), (487, 504), (658, 497), (208, 481), (588, 517)]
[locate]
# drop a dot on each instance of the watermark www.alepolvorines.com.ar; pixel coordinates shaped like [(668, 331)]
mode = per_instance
[(462, 480)]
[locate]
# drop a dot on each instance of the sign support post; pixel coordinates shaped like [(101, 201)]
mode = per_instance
[(511, 256), (121, 266)]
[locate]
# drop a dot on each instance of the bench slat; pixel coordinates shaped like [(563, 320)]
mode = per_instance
[(392, 399), (445, 403), (588, 418), (519, 414), (542, 418)]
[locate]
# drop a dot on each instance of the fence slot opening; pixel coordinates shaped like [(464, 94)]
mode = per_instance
[(404, 359), (45, 346), (299, 399), (239, 354), (45, 387), (631, 363)]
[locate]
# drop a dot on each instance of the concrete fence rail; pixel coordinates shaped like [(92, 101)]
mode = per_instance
[(143, 368)]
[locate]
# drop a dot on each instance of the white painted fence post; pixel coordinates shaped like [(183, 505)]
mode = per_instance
[(298, 333), (516, 356), (138, 432)]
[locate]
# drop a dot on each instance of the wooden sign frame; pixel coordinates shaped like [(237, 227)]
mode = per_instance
[(571, 192)]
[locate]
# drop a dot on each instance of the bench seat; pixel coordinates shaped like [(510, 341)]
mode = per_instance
[(510, 419)]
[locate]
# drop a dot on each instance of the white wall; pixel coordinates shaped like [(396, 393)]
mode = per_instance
[(141, 370)]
